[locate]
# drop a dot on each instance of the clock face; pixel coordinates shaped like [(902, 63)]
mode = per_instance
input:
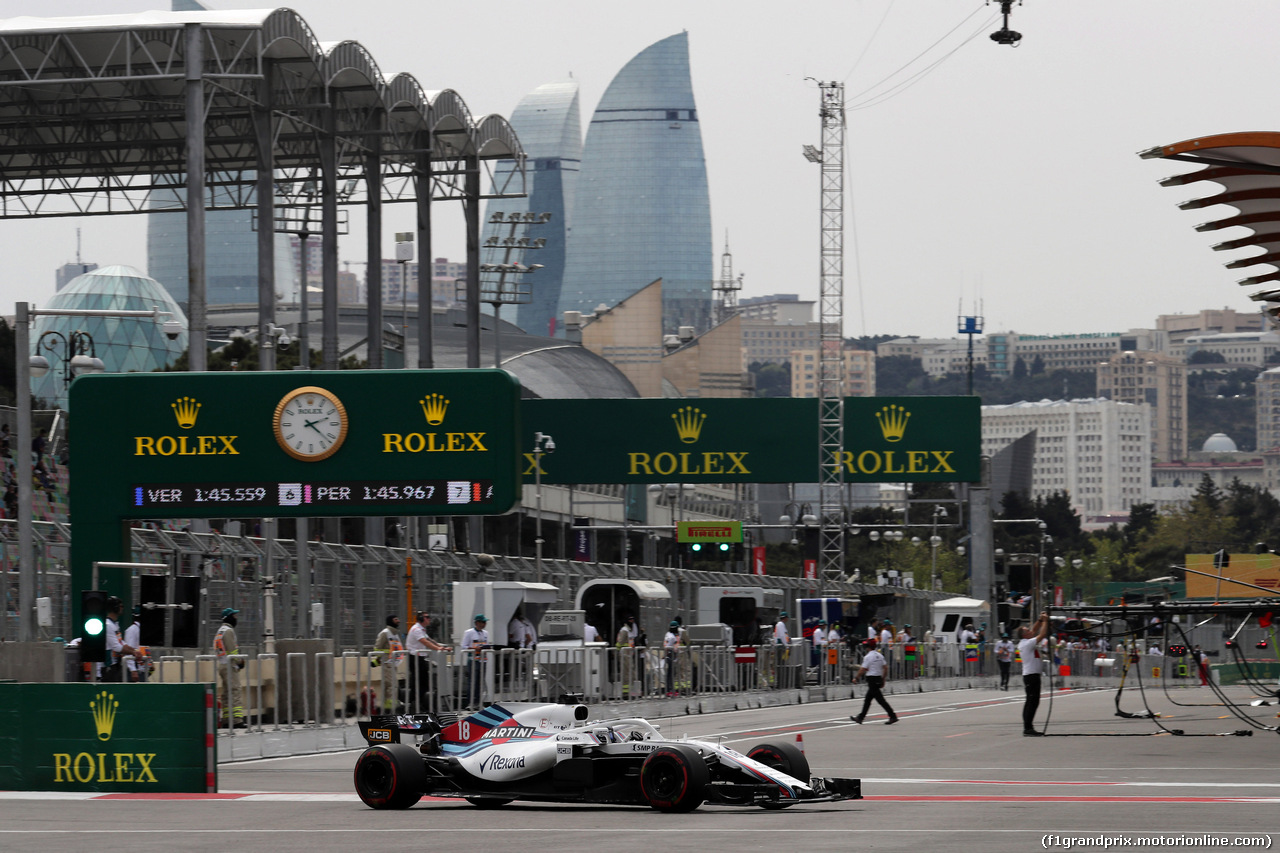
[(310, 423)]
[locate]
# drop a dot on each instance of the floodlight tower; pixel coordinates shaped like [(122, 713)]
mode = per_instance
[(726, 289), (831, 333)]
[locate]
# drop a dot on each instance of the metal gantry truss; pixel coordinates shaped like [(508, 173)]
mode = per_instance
[(831, 337)]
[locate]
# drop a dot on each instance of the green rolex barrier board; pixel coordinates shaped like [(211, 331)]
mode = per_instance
[(137, 738)]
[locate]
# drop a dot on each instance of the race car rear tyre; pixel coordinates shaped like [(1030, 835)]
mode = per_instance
[(786, 758), (487, 802), (675, 778), (391, 776)]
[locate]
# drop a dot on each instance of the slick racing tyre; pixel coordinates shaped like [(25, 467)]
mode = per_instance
[(390, 776), (675, 779), (785, 758)]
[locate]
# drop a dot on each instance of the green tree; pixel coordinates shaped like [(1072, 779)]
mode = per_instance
[(1037, 366), (1019, 369), (1201, 356), (772, 380)]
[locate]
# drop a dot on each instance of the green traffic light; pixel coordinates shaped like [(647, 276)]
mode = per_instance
[(696, 546), (93, 626), (724, 546)]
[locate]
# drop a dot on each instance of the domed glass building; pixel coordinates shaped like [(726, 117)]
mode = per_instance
[(125, 344)]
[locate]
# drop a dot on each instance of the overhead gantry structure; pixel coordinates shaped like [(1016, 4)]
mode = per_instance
[(127, 114)]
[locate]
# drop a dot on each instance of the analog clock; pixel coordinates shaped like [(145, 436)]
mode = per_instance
[(310, 423)]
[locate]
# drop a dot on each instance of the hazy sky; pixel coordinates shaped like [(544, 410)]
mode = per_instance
[(975, 171)]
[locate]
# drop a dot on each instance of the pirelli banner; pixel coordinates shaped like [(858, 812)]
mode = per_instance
[(759, 440), (135, 738)]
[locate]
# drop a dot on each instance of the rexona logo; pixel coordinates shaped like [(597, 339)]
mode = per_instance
[(86, 767), (185, 410), (893, 420), (688, 422), (434, 409), (501, 762)]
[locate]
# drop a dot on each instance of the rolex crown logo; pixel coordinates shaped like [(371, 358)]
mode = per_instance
[(689, 423), (434, 407), (186, 409), (104, 709), (893, 422)]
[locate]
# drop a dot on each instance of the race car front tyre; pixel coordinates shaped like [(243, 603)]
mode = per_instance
[(391, 776), (785, 758), (675, 778)]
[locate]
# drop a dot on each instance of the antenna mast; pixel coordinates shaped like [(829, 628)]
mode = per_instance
[(726, 303)]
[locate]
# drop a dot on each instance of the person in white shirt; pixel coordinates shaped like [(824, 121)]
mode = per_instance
[(520, 631), (473, 641), (819, 637), (1004, 658), (1032, 668), (874, 668), (780, 634), (589, 633), (671, 655), (133, 637), (417, 644)]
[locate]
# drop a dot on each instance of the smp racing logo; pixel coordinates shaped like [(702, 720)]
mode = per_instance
[(893, 421), (86, 767), (688, 422), (185, 410), (434, 408)]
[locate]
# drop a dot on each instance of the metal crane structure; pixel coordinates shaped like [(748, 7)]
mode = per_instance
[(726, 289), (831, 333)]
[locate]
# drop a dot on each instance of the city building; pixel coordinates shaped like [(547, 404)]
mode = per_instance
[(1098, 451), (231, 256), (1181, 326), (125, 344), (778, 308), (67, 272), (1267, 401), (1156, 380), (773, 342), (642, 210), (1066, 352), (1251, 349), (938, 356), (859, 373), (710, 365), (550, 130)]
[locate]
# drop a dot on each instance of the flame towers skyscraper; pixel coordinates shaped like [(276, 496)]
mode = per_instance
[(643, 210)]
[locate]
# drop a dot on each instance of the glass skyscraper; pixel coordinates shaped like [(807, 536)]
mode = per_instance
[(642, 210), (231, 256), (550, 130)]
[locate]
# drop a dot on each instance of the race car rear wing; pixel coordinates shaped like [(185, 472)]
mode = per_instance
[(391, 728)]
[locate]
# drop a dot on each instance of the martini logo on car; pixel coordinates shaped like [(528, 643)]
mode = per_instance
[(511, 731)]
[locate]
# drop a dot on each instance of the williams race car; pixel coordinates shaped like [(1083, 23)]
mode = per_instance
[(552, 753)]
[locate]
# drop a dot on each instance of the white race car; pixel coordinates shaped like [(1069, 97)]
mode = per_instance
[(553, 753)]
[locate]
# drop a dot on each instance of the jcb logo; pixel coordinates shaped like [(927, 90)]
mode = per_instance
[(380, 734)]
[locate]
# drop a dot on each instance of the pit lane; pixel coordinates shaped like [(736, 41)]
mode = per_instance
[(955, 770)]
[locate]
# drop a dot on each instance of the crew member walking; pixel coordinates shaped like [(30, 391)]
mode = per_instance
[(1032, 667), (1004, 658), (873, 667), (117, 648)]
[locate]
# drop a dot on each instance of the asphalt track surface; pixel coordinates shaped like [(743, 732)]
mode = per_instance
[(954, 774)]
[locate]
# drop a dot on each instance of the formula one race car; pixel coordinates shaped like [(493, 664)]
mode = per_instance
[(551, 753)]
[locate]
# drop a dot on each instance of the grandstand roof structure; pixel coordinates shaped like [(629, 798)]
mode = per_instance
[(105, 114)]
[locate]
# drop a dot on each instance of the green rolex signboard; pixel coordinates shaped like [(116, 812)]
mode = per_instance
[(765, 440), (134, 738), (301, 443)]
